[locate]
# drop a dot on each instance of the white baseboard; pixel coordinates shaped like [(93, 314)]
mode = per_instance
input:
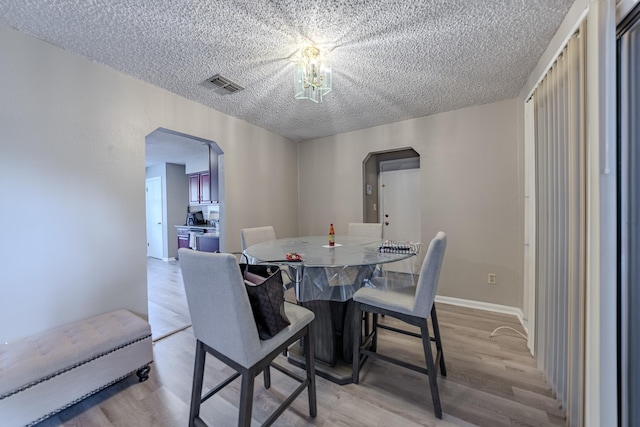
[(486, 306)]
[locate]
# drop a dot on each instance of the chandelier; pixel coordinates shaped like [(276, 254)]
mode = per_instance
[(312, 78)]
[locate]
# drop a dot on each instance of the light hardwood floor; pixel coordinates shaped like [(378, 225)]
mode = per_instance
[(490, 382)]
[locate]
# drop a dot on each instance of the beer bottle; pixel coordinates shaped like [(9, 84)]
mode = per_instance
[(332, 236)]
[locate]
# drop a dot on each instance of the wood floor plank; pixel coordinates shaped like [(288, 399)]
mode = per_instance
[(491, 381), (168, 309), (537, 400)]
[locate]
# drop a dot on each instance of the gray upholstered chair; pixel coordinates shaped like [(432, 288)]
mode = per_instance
[(224, 327), (412, 305), (365, 229), (251, 236)]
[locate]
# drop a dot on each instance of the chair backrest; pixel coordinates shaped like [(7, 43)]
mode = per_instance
[(429, 275), (365, 229), (251, 236), (218, 304)]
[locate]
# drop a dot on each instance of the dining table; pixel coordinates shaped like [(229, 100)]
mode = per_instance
[(325, 278)]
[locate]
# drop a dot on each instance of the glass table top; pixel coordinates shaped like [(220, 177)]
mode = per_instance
[(315, 251)]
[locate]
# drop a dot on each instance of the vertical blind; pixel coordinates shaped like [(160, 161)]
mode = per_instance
[(560, 139)]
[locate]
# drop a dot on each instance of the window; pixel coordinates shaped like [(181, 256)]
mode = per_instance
[(629, 218)]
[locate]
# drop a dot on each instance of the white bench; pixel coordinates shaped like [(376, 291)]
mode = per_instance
[(45, 373)]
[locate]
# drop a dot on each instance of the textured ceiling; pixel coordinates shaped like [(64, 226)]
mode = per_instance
[(391, 59)]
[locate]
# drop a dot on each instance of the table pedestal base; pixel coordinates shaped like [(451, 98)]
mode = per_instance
[(341, 373), (333, 342)]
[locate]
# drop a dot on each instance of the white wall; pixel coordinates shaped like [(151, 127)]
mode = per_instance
[(72, 136), (177, 202), (175, 199), (198, 163), (470, 188)]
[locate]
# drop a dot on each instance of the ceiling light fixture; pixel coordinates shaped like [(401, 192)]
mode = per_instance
[(312, 79)]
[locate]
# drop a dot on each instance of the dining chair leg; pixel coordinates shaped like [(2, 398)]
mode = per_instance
[(374, 331), (365, 319), (246, 397), (309, 352), (433, 377), (267, 377), (436, 334), (196, 389), (357, 339)]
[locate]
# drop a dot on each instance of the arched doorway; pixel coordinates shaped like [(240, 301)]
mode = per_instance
[(392, 197), (374, 164)]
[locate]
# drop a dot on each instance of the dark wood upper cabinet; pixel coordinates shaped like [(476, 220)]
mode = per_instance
[(203, 187), (194, 188)]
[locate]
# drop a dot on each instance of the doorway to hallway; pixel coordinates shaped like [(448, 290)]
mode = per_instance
[(399, 182), (153, 203)]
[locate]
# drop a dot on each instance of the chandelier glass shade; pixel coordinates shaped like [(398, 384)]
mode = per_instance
[(312, 79)]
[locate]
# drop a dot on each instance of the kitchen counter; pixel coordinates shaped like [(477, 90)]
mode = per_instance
[(200, 237), (207, 229), (209, 235)]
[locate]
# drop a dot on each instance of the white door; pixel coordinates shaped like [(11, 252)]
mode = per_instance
[(400, 210), (155, 247)]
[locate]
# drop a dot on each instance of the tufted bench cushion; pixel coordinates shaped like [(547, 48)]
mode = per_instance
[(47, 372)]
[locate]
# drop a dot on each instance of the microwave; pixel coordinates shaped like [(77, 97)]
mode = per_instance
[(195, 218)]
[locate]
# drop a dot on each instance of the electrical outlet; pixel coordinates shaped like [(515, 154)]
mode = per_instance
[(491, 279)]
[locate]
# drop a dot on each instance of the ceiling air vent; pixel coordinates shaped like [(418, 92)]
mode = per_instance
[(224, 83)]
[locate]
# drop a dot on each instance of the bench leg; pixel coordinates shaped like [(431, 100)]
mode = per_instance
[(143, 373)]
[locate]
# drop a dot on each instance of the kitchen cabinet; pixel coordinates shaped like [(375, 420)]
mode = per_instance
[(207, 239), (203, 186), (194, 188), (208, 243), (200, 188), (183, 238)]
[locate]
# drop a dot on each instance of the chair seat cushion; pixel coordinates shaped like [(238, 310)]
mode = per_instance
[(299, 318), (399, 300)]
